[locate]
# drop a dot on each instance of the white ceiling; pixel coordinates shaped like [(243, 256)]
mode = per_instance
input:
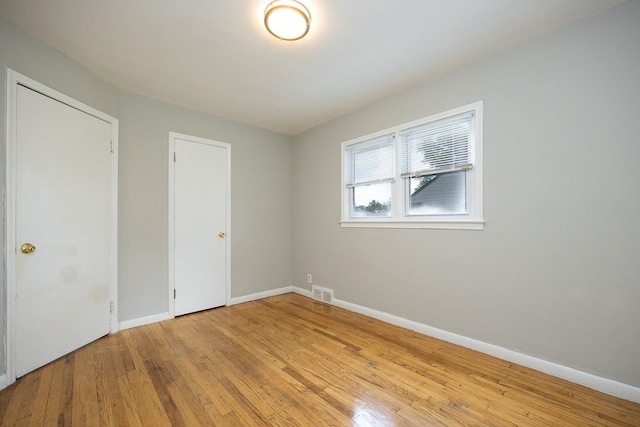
[(216, 56)]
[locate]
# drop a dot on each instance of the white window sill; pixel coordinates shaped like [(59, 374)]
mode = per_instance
[(436, 225)]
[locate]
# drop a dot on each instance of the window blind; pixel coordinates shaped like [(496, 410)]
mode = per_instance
[(437, 147), (370, 162)]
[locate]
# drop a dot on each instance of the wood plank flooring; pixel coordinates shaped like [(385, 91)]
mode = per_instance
[(291, 361)]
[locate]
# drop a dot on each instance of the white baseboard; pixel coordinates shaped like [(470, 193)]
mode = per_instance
[(303, 292), (605, 385), (260, 295), (3, 381), (165, 316), (144, 320)]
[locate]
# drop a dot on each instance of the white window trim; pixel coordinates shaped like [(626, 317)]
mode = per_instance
[(474, 220)]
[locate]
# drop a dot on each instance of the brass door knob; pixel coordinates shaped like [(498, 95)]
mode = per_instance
[(221, 234), (27, 248)]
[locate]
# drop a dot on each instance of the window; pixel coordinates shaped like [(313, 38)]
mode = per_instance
[(370, 173), (423, 174)]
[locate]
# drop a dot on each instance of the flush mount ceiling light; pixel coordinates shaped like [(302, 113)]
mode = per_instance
[(287, 19)]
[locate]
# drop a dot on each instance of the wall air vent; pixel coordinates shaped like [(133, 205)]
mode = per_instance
[(322, 294)]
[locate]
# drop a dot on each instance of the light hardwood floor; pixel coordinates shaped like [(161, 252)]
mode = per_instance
[(289, 360)]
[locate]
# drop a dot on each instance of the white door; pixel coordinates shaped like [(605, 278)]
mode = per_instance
[(62, 229), (200, 225)]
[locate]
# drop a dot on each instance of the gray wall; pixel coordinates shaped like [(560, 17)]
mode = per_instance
[(261, 182), (556, 272), (261, 207)]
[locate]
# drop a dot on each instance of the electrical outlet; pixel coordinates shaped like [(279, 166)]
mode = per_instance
[(309, 278)]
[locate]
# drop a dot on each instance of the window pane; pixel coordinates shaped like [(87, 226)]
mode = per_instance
[(372, 161), (442, 194), (444, 144), (371, 200)]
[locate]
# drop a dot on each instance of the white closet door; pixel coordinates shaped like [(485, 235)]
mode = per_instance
[(63, 229), (200, 183)]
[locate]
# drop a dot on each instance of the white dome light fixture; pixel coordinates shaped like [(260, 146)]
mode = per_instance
[(287, 19)]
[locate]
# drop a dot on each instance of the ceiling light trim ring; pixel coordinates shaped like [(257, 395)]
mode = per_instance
[(290, 5)]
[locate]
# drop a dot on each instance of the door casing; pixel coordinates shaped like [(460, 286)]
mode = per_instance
[(13, 80), (171, 237)]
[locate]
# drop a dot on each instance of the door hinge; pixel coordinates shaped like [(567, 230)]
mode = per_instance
[(111, 307), (174, 157), (174, 293), (111, 146)]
